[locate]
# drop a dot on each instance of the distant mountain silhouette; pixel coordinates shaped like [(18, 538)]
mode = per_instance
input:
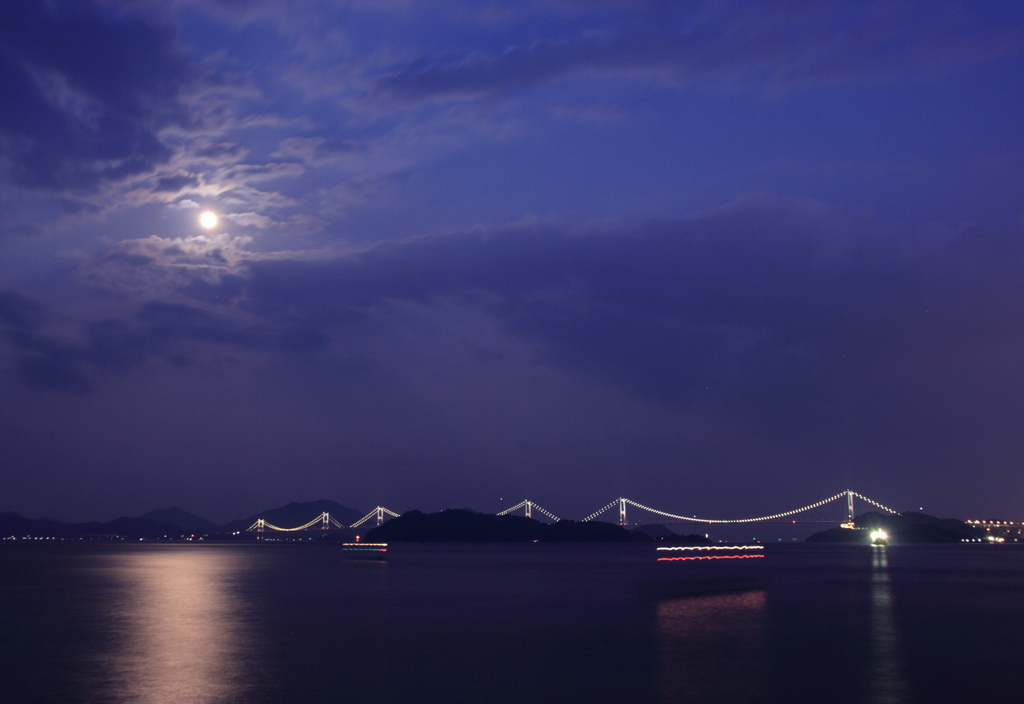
[(170, 522), (461, 525), (188, 522), (14, 525), (295, 514)]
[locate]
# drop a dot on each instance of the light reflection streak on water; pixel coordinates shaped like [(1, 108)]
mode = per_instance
[(886, 684), (707, 557), (712, 648), (178, 634)]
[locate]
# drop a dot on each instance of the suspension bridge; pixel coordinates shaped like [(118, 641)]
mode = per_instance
[(849, 495), (326, 521), (380, 514)]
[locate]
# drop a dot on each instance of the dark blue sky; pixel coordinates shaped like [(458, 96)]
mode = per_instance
[(723, 258)]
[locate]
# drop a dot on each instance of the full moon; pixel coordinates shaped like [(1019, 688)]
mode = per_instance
[(208, 219)]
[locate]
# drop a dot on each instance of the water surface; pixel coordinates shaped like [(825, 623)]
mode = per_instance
[(210, 624)]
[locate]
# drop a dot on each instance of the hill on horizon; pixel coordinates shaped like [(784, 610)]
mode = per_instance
[(909, 527), (296, 514), (189, 522), (17, 526), (465, 526)]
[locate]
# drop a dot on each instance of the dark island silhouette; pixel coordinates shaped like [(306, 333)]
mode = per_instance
[(907, 527), (661, 534), (465, 526)]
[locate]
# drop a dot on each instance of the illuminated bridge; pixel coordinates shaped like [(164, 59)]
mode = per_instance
[(659, 516), (325, 521)]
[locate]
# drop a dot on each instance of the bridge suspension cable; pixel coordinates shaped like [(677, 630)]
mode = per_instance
[(599, 511), (377, 513), (622, 502), (873, 502), (529, 506), (324, 519)]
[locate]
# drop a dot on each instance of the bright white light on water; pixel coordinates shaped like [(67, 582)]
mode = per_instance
[(879, 536), (208, 219)]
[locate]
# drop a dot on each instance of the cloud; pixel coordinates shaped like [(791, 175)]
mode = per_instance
[(810, 279), (220, 153), (249, 219), (73, 358), (85, 91), (194, 255), (780, 310), (313, 150), (173, 184), (18, 312), (770, 297), (45, 359), (177, 321), (102, 108), (774, 46), (22, 230)]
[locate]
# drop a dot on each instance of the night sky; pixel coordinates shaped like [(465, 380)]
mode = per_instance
[(723, 258)]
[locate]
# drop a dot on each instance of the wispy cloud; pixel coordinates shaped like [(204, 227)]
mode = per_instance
[(73, 117), (766, 291), (766, 47)]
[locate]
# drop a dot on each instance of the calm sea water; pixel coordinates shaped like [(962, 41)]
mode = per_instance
[(160, 624)]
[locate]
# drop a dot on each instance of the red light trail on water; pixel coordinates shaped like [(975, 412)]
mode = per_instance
[(707, 557)]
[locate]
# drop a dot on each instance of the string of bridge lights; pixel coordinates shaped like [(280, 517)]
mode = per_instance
[(873, 502), (599, 511), (622, 501), (322, 518), (379, 512), (738, 520), (530, 505)]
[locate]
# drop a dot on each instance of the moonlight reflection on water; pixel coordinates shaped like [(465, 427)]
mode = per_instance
[(177, 633)]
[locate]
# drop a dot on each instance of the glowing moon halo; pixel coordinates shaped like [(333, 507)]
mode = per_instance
[(208, 219)]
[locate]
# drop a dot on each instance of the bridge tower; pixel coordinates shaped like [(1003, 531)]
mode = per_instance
[(849, 506), (529, 509), (622, 512), (260, 525), (380, 515), (325, 521)]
